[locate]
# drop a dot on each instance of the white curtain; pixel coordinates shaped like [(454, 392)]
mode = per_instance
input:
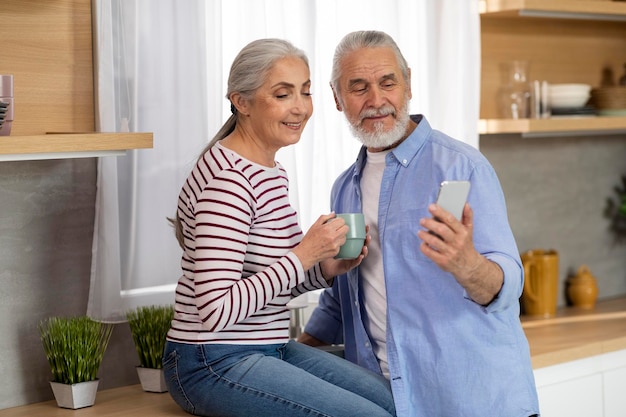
[(162, 67)]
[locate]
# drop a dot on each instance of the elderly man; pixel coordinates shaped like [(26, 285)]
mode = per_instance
[(434, 304)]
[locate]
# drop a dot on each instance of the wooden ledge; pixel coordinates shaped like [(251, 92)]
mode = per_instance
[(130, 401)]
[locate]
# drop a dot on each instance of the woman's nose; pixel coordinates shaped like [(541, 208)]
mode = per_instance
[(302, 104)]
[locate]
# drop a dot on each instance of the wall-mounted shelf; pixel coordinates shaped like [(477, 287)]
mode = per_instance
[(50, 95), (555, 126), (590, 50), (573, 9), (71, 145)]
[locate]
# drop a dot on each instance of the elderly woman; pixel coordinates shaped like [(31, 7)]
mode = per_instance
[(228, 351)]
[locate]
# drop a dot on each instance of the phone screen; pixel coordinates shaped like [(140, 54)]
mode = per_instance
[(452, 197)]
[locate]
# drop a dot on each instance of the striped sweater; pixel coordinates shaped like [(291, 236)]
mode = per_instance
[(238, 268)]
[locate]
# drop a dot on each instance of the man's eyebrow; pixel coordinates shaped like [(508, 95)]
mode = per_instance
[(391, 76), (356, 81)]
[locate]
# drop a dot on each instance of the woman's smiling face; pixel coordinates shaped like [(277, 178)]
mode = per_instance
[(281, 107)]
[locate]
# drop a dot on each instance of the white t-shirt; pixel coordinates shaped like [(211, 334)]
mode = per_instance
[(372, 274)]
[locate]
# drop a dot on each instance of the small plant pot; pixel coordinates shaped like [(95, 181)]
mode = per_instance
[(152, 380), (75, 396)]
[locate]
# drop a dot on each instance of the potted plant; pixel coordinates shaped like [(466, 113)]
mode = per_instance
[(149, 326), (74, 347), (615, 211)]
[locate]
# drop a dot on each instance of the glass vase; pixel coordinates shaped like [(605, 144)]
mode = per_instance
[(514, 95)]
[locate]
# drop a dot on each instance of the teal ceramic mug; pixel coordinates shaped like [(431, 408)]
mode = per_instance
[(355, 239)]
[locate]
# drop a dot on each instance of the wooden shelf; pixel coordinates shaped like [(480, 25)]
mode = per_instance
[(556, 126), (71, 145), (128, 401), (51, 95), (581, 9), (589, 50)]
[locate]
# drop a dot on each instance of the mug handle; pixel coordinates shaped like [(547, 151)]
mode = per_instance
[(528, 291)]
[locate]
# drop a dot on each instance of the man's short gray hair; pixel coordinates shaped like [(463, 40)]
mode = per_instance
[(364, 39)]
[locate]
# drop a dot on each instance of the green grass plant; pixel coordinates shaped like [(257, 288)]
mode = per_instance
[(74, 347), (149, 326), (615, 211)]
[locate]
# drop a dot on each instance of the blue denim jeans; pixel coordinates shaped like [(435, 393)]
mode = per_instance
[(279, 380)]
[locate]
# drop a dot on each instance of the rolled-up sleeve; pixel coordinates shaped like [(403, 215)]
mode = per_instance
[(493, 237), (325, 323)]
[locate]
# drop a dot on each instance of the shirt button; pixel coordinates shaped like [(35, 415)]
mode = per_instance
[(367, 344), (404, 161), (356, 303)]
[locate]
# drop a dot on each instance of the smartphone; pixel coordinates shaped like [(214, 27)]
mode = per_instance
[(452, 196)]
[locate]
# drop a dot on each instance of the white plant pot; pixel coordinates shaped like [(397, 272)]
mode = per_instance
[(152, 380), (75, 396)]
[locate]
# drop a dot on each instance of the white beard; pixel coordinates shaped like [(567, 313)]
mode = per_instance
[(380, 139)]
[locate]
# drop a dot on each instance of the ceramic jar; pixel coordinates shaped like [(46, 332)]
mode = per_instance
[(582, 288)]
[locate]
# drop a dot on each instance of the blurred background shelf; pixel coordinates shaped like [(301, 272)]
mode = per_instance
[(554, 126), (580, 9), (71, 145), (563, 41), (53, 80)]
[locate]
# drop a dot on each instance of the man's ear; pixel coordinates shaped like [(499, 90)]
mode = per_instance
[(240, 103), (337, 104), (408, 87)]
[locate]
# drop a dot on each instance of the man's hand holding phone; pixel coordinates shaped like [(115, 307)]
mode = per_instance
[(452, 197), (448, 243), (445, 235)]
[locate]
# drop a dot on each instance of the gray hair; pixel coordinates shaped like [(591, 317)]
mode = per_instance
[(247, 74), (364, 39), (249, 71)]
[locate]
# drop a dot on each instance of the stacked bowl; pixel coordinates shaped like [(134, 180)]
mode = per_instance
[(568, 96), (610, 101)]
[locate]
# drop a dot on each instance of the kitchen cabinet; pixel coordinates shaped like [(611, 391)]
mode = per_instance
[(574, 398), (579, 359), (47, 47), (614, 382), (565, 41), (587, 387)]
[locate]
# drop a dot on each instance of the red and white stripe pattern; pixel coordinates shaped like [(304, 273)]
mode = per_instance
[(238, 268)]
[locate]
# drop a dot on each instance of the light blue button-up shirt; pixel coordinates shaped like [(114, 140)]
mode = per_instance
[(448, 356)]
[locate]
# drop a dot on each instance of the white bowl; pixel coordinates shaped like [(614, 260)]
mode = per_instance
[(568, 101), (566, 96), (569, 88)]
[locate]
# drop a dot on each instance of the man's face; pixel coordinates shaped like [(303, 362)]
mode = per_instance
[(374, 96)]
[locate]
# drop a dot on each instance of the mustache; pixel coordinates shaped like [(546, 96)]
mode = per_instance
[(383, 111)]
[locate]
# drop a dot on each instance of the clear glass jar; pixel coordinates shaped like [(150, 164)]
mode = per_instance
[(514, 95)]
